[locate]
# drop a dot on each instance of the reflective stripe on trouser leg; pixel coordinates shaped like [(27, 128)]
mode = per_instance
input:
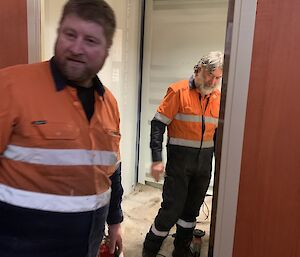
[(156, 232), (186, 224), (153, 241), (184, 234)]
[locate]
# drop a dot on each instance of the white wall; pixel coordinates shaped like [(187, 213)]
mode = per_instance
[(50, 14), (120, 72)]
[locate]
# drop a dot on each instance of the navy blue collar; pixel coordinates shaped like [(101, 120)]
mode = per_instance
[(61, 82), (192, 83)]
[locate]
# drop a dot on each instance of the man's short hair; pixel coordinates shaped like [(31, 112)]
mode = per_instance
[(211, 61), (97, 11)]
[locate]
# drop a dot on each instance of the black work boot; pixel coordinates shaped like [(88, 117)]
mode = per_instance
[(147, 253), (182, 252), (182, 242), (152, 245)]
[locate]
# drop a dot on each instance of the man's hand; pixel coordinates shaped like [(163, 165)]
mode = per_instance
[(157, 169), (115, 238)]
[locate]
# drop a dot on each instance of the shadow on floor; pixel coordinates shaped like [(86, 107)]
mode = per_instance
[(140, 208)]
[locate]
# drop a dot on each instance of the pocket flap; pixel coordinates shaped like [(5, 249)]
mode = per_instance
[(58, 131)]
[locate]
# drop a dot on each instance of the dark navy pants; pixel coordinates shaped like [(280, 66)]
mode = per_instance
[(188, 174), (33, 233)]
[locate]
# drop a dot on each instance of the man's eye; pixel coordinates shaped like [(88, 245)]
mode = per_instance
[(70, 35), (91, 41)]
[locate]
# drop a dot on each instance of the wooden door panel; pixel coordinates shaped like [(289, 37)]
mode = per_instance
[(268, 213), (13, 27)]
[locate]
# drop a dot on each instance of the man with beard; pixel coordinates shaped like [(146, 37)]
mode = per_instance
[(60, 177), (190, 111)]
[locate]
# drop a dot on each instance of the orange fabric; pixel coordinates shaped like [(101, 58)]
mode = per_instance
[(27, 94), (180, 98)]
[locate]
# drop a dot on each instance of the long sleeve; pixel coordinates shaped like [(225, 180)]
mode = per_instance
[(157, 134), (115, 213)]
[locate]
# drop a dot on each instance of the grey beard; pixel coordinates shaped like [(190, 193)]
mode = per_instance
[(205, 90)]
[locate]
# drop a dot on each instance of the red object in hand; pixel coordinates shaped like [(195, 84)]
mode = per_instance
[(104, 251)]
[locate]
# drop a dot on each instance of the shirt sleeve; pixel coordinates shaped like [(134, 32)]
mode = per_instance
[(169, 107), (115, 213), (163, 117), (156, 139)]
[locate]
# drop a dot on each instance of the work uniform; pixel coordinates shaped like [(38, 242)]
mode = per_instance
[(191, 120), (57, 164)]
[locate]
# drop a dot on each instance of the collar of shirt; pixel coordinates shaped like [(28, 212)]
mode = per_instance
[(61, 82), (192, 82)]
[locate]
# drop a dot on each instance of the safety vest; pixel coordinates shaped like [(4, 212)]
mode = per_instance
[(190, 117), (52, 158)]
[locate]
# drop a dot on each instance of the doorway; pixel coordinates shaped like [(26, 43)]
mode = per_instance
[(176, 35)]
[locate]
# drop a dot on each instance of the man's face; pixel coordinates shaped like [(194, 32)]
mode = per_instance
[(80, 49), (206, 81)]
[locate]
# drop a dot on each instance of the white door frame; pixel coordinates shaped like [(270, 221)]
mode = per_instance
[(241, 32), (34, 30)]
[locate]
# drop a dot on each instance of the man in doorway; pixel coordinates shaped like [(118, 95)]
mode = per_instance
[(190, 111), (60, 179)]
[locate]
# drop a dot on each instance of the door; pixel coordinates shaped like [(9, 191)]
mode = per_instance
[(13, 27)]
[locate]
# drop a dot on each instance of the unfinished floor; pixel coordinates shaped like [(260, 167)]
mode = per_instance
[(140, 208)]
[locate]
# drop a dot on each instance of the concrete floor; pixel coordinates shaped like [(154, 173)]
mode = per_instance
[(140, 209)]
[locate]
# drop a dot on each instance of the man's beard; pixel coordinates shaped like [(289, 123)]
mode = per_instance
[(76, 74), (206, 89)]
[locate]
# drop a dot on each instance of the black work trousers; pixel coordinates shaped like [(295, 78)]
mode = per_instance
[(33, 233), (188, 174)]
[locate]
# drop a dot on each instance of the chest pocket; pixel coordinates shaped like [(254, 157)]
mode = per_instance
[(189, 102), (111, 139), (58, 131)]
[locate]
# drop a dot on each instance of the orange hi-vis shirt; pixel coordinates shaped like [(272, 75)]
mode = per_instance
[(186, 113), (51, 157)]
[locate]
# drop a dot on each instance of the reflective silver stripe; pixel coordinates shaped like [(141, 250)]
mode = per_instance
[(162, 118), (195, 118), (211, 120), (67, 157), (50, 202), (188, 117), (157, 232), (191, 143), (186, 224)]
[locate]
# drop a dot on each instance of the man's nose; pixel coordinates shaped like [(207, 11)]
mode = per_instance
[(77, 46), (213, 80)]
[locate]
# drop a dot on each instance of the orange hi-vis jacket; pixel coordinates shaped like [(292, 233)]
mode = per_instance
[(51, 157), (190, 117)]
